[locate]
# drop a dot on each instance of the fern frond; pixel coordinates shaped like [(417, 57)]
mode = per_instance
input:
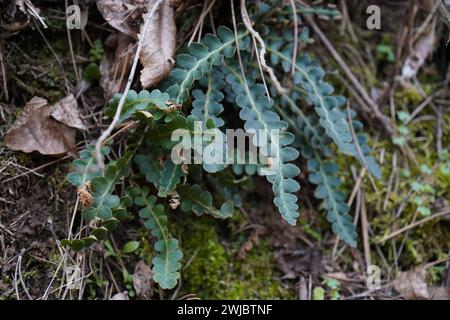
[(257, 114), (170, 178), (199, 60), (102, 187), (310, 76), (208, 105), (85, 168), (149, 167), (166, 264), (324, 175), (155, 102), (199, 201)]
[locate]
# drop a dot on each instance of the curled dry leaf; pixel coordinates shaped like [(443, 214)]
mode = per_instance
[(142, 280), (48, 130), (412, 285), (123, 15), (120, 296), (422, 49), (159, 45), (116, 63), (14, 18)]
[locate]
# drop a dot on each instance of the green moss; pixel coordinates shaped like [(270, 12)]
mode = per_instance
[(215, 273)]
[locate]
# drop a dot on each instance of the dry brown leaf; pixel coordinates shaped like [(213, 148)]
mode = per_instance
[(116, 63), (142, 280), (48, 130), (412, 284), (159, 46), (120, 296), (14, 18), (123, 15), (422, 49), (439, 293)]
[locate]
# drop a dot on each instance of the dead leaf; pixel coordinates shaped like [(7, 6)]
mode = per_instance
[(84, 193), (14, 18), (115, 63), (142, 280), (48, 130), (174, 201), (159, 45), (252, 240), (123, 15), (411, 284), (439, 293), (120, 296), (422, 49), (158, 48), (307, 261)]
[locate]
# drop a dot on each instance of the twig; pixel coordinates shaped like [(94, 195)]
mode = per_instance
[(19, 269), (2, 64), (294, 54), (365, 231), (415, 224), (116, 118), (262, 52)]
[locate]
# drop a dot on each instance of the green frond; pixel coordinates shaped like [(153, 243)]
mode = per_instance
[(166, 264)]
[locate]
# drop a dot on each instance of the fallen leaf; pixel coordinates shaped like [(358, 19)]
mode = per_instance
[(142, 280), (14, 18), (116, 63), (439, 293), (252, 240), (123, 15), (422, 49), (120, 296), (294, 263), (48, 130), (411, 284), (159, 45)]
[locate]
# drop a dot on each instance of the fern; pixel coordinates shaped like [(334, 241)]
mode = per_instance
[(199, 201), (170, 178), (199, 60), (309, 75), (155, 102), (257, 114), (85, 168), (315, 146), (208, 105), (324, 175), (166, 264), (102, 187), (206, 76)]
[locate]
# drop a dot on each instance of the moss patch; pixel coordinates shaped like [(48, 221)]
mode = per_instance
[(215, 273)]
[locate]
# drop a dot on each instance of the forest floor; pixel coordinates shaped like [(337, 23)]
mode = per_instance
[(403, 220)]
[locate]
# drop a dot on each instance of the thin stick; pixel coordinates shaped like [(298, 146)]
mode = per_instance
[(2, 64), (365, 232), (262, 52), (415, 224), (111, 127), (294, 54)]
